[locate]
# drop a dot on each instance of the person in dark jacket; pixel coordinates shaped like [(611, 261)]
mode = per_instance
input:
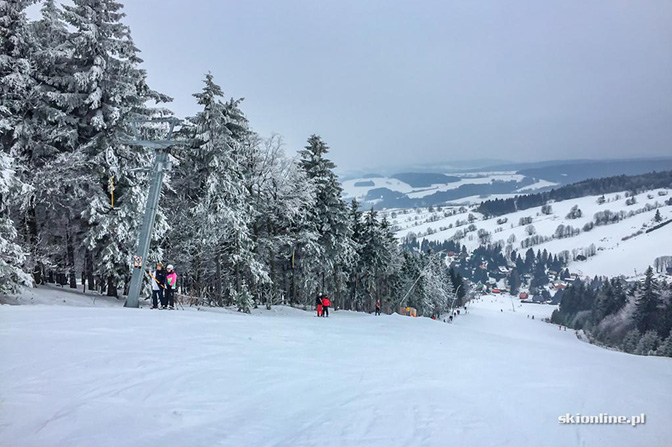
[(377, 312), (318, 305), (158, 286)]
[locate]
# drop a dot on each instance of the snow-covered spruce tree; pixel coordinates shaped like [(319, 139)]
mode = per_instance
[(329, 217), (11, 253), (212, 231), (16, 86), (427, 278), (391, 255), (242, 299), (411, 268), (355, 289), (105, 88), (665, 348), (47, 205), (631, 341), (647, 309), (657, 217), (438, 294), (280, 195), (370, 249), (459, 286), (648, 343), (16, 81), (378, 260)]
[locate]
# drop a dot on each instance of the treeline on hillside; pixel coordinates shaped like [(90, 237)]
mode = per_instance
[(493, 262), (242, 223), (635, 318), (386, 198), (633, 183)]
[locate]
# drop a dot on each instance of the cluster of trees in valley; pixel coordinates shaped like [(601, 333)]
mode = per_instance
[(634, 317), (634, 183)]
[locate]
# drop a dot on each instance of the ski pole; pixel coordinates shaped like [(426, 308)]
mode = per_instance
[(157, 281)]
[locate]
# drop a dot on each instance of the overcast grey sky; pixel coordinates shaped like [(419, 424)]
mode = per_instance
[(392, 83)]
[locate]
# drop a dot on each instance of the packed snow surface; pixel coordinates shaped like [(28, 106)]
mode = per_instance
[(106, 376)]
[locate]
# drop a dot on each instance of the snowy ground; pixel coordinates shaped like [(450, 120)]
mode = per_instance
[(104, 376)]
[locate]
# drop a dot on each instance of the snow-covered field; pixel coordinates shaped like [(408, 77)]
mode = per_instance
[(352, 190), (109, 376), (614, 255)]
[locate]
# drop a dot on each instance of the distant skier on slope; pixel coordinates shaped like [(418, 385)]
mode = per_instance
[(377, 311), (171, 285), (318, 304), (158, 285), (326, 302)]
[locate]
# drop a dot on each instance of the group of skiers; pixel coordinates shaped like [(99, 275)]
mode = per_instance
[(164, 284), (322, 302)]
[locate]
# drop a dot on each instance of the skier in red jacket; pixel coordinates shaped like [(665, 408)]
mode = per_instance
[(326, 302)]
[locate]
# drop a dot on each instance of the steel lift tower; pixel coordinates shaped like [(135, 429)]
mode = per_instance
[(158, 167)]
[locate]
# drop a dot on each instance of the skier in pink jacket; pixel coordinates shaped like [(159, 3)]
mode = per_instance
[(171, 286)]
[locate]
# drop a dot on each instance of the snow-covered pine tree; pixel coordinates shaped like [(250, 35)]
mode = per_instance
[(378, 260), (106, 88), (16, 80), (648, 344), (433, 292), (665, 348), (357, 235), (212, 233), (12, 254), (647, 310), (49, 204), (391, 266), (16, 85), (631, 340), (411, 268), (280, 195), (51, 165), (329, 216)]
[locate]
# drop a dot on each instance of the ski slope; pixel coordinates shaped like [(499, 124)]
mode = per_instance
[(103, 376)]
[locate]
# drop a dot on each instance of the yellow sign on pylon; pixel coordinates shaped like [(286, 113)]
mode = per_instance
[(112, 191)]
